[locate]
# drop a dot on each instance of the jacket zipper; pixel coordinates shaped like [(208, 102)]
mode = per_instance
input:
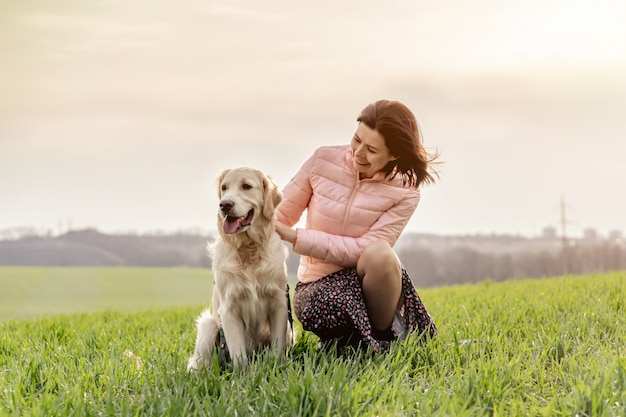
[(350, 201)]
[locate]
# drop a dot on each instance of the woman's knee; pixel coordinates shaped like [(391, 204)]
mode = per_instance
[(380, 257)]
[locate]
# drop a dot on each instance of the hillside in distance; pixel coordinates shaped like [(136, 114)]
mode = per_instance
[(431, 260), (92, 248)]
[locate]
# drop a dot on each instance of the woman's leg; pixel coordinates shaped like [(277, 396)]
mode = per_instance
[(380, 272)]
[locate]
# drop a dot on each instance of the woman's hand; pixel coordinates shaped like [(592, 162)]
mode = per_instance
[(285, 232)]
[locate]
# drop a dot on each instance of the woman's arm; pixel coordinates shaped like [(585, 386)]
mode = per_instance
[(345, 250), (296, 196)]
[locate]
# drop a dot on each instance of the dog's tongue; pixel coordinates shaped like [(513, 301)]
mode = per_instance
[(232, 224)]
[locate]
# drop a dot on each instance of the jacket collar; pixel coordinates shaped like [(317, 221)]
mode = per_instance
[(379, 176)]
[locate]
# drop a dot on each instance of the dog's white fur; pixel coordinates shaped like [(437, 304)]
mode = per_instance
[(250, 272)]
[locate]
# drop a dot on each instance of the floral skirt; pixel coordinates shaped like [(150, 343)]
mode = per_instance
[(333, 308)]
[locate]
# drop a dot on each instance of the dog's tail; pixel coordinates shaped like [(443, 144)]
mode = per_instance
[(208, 333)]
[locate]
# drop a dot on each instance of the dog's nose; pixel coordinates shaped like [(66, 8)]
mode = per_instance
[(226, 205)]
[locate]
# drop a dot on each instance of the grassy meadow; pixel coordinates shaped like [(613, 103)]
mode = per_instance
[(549, 347), (28, 292)]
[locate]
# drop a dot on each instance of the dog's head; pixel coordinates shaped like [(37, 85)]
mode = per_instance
[(247, 198)]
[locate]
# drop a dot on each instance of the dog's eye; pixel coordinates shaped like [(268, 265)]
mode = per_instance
[(224, 188), (246, 186)]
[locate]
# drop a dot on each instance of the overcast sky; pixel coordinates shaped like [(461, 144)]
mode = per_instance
[(118, 114)]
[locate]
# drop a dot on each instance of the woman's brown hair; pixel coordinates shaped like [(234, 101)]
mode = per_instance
[(398, 126)]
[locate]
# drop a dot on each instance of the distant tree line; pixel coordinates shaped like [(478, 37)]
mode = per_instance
[(431, 260), (92, 248), (465, 264)]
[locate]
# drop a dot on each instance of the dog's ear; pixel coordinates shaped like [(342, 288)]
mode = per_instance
[(272, 197), (218, 181)]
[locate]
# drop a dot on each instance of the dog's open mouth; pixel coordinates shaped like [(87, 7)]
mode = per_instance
[(234, 224)]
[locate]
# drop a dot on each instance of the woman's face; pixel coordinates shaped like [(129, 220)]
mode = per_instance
[(369, 152)]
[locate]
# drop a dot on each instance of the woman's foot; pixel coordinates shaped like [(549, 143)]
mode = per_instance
[(398, 326)]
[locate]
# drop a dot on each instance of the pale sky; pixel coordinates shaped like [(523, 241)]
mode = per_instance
[(119, 114)]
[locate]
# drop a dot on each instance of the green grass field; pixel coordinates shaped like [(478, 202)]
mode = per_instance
[(31, 292), (550, 347)]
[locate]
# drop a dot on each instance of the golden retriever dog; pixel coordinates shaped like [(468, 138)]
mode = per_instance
[(250, 272)]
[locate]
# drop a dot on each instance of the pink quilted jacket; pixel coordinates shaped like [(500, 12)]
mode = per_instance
[(344, 214)]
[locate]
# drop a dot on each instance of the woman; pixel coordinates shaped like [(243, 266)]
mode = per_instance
[(352, 287)]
